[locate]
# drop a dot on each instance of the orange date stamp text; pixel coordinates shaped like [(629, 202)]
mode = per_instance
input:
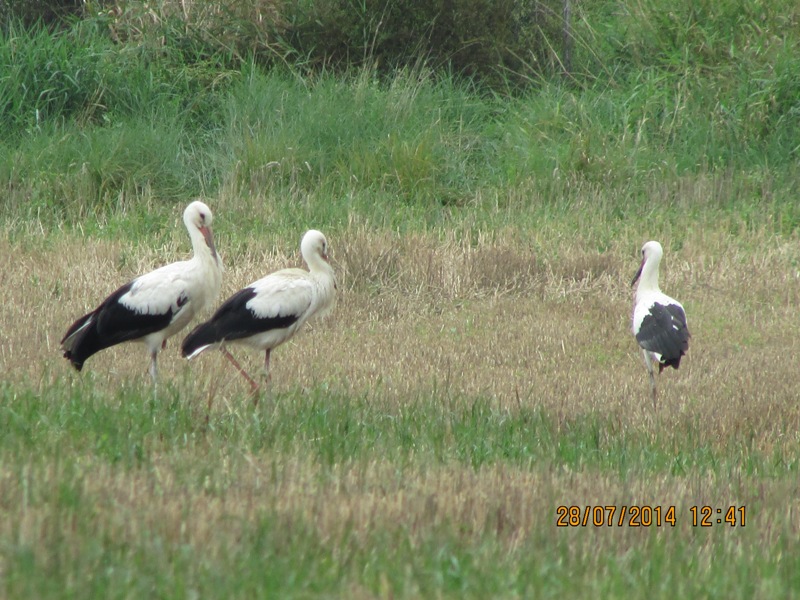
[(645, 515), (615, 516)]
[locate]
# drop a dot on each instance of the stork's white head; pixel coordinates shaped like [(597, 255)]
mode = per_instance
[(648, 270), (197, 216), (314, 245)]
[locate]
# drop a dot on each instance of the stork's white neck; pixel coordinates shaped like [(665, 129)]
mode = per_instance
[(318, 265), (202, 251), (648, 281)]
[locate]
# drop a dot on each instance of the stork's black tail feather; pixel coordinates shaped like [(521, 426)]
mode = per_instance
[(82, 341), (200, 337), (672, 362)]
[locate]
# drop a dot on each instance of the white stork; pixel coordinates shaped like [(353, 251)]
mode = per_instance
[(269, 311), (659, 322), (155, 306)]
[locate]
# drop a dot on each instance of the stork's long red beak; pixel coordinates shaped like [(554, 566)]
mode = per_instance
[(638, 273), (208, 235)]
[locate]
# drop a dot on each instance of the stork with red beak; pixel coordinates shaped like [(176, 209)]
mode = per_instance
[(154, 306)]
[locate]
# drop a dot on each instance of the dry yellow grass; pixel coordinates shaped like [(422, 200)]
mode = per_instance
[(488, 319), (422, 317), (511, 504)]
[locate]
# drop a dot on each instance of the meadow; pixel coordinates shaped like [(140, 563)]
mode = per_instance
[(478, 371)]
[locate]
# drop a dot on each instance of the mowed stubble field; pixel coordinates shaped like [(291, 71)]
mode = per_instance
[(420, 440)]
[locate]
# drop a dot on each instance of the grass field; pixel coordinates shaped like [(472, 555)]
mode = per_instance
[(418, 442), (477, 379)]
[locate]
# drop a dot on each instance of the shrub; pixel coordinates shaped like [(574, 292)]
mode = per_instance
[(493, 41), (31, 12)]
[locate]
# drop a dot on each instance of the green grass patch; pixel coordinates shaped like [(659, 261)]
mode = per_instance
[(334, 427), (83, 464)]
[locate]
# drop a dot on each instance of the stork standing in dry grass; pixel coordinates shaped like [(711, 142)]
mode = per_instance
[(269, 311), (155, 306), (659, 322)]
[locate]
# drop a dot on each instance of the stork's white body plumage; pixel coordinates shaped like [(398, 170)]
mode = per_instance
[(659, 321), (154, 306), (290, 292), (270, 311)]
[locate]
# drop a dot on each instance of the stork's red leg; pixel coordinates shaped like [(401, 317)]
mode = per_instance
[(244, 373)]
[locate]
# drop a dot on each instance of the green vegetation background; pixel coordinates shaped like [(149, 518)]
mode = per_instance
[(124, 106)]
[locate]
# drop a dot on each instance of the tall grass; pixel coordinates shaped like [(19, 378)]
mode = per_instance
[(417, 137), (104, 124), (79, 77)]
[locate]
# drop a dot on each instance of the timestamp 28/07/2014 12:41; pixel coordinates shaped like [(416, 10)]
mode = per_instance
[(647, 516)]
